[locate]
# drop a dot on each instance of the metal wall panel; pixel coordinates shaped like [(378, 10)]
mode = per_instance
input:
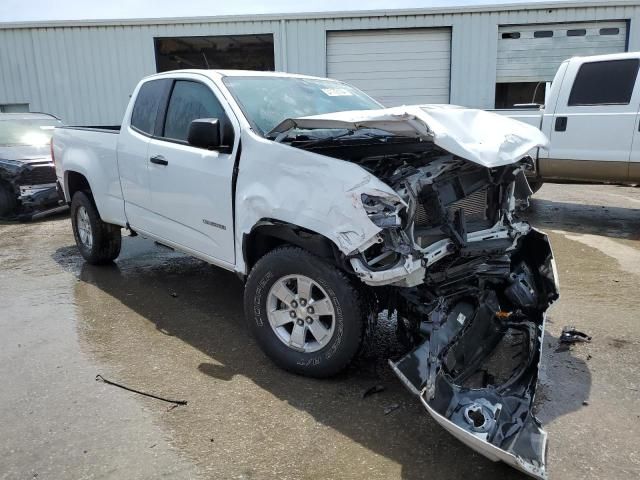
[(517, 64), (84, 72), (85, 75), (473, 60), (394, 66)]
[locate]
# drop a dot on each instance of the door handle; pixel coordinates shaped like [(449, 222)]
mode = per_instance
[(561, 124), (159, 160)]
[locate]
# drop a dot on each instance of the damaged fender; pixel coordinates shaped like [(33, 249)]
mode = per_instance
[(322, 194)]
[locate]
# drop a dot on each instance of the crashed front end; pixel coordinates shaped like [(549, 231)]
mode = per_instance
[(470, 283), (33, 182)]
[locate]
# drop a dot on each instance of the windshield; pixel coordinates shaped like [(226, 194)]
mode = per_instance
[(267, 101), (21, 132)]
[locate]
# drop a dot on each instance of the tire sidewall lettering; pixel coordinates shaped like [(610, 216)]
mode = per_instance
[(259, 299)]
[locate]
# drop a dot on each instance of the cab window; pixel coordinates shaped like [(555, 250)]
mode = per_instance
[(145, 110), (189, 101), (604, 83)]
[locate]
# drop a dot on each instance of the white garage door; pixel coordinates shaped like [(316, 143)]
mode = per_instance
[(532, 53), (396, 67)]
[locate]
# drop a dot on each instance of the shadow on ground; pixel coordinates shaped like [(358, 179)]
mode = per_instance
[(202, 306), (28, 220)]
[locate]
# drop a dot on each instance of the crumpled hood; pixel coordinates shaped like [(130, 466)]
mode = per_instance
[(484, 138)]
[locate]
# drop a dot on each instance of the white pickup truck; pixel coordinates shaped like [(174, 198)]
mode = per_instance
[(333, 209), (592, 119)]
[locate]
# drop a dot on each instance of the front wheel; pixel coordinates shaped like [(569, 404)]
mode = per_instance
[(98, 242), (305, 314)]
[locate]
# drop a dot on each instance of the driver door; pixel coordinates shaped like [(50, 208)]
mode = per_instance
[(191, 191)]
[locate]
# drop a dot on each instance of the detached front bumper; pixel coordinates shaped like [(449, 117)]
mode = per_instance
[(477, 368)]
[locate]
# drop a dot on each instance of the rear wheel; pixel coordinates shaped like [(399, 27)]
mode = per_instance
[(98, 242), (8, 200), (305, 314)]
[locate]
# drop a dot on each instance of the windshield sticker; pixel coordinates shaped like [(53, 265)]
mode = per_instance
[(337, 92)]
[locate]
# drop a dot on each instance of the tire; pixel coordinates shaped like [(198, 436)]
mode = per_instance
[(535, 185), (331, 289), (105, 239), (8, 200)]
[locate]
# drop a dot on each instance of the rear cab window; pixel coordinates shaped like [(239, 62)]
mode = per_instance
[(608, 82), (145, 110)]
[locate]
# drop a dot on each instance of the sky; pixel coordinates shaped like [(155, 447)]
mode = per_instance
[(31, 10)]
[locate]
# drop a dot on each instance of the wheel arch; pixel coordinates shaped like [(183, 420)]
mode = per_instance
[(269, 234), (75, 182)]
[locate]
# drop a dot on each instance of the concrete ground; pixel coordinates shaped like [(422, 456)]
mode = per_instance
[(168, 324)]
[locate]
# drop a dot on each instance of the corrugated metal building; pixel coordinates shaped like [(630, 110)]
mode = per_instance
[(486, 57)]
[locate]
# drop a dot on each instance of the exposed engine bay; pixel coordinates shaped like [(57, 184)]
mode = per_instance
[(470, 283)]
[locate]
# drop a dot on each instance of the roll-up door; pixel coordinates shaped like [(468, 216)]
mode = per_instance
[(397, 66), (528, 53)]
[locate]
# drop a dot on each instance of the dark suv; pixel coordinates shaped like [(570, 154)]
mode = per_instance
[(27, 172)]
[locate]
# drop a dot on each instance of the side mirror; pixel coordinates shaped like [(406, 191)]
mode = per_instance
[(205, 133)]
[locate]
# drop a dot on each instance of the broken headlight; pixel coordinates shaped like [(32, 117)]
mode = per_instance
[(383, 212), (392, 242)]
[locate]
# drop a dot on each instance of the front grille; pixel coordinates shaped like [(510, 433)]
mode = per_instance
[(38, 175), (474, 207)]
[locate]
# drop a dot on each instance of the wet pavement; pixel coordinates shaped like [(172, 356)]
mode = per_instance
[(167, 324)]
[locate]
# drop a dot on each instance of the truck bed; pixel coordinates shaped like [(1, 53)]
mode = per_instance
[(92, 152), (95, 128)]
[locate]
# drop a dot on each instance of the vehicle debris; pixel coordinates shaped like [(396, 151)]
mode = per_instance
[(375, 389), (571, 335), (100, 378), (391, 408), (477, 366)]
